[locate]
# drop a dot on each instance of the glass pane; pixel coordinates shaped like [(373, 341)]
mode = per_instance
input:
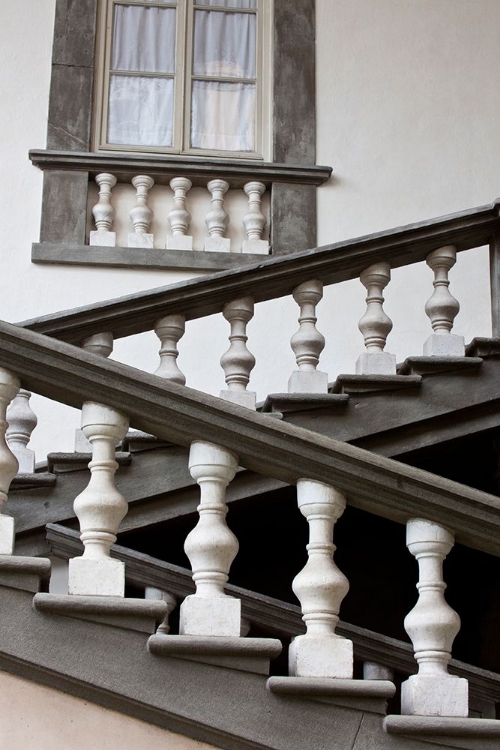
[(224, 44), (143, 39), (229, 3), (140, 111), (223, 116)]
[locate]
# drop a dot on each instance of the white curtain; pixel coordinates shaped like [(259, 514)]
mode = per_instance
[(143, 39), (140, 111), (224, 44), (223, 116)]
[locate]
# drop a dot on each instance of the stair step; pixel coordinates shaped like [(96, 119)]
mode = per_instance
[(24, 573), (29, 481), (130, 614), (136, 440), (446, 727), (483, 347), (60, 463), (373, 383), (243, 654), (289, 402), (434, 365), (366, 695)]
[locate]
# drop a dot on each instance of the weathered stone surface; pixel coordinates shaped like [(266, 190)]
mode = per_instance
[(96, 577), (64, 207)]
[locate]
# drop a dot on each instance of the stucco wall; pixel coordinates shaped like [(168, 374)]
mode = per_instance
[(34, 717), (407, 110)]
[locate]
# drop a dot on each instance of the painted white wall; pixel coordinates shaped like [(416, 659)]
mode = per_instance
[(35, 716), (408, 116)]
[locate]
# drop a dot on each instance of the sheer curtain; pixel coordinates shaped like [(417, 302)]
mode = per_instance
[(142, 68)]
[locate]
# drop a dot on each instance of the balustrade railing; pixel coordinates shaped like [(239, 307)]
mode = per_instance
[(211, 547)]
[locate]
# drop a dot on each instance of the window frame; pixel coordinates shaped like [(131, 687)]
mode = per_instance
[(183, 80)]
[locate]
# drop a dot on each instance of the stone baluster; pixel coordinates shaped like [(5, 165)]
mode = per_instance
[(442, 307), (432, 626), (150, 592), (373, 671), (217, 219), (179, 217), (169, 330), (375, 325), (22, 421), (238, 361), (320, 587), (104, 213), (254, 221), (100, 508), (211, 547), (100, 344), (141, 214), (308, 343), (9, 387)]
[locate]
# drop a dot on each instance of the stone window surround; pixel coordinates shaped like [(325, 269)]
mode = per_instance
[(293, 203)]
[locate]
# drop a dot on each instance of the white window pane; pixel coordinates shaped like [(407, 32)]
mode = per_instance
[(224, 44), (143, 39), (223, 116), (140, 111), (230, 3)]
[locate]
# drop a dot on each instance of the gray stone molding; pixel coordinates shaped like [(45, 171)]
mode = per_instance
[(179, 414), (294, 132), (24, 573), (367, 695), (442, 726), (273, 277)]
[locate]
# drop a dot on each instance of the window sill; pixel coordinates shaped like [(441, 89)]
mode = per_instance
[(131, 257)]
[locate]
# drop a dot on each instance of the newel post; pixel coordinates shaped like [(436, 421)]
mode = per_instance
[(432, 626), (211, 547), (320, 587)]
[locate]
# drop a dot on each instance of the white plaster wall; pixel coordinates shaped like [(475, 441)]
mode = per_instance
[(408, 113), (35, 717)]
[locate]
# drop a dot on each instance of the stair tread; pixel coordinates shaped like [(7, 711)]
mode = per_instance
[(444, 726), (285, 402), (428, 365), (372, 383)]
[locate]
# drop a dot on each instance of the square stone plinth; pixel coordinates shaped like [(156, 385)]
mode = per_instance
[(320, 656), (376, 363), (444, 345), (104, 577), (435, 695), (213, 615), (179, 242), (103, 239), (243, 398), (308, 382), (6, 535), (217, 245), (140, 239), (257, 247)]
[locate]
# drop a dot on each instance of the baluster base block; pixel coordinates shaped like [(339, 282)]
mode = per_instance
[(308, 382), (243, 398), (435, 695), (376, 363), (140, 239), (444, 345), (211, 615), (258, 247), (89, 577), (217, 245), (26, 460), (7, 535), (179, 242), (102, 239), (321, 656)]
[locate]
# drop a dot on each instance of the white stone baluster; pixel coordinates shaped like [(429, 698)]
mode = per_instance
[(308, 343), (100, 508), (150, 592), (375, 325), (254, 221), (442, 307), (22, 421), (104, 213), (217, 219), (432, 626), (141, 215), (211, 547), (100, 344), (320, 587), (169, 330), (237, 362), (179, 217), (9, 387)]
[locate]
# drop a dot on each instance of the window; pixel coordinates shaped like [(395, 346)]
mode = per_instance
[(183, 77)]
